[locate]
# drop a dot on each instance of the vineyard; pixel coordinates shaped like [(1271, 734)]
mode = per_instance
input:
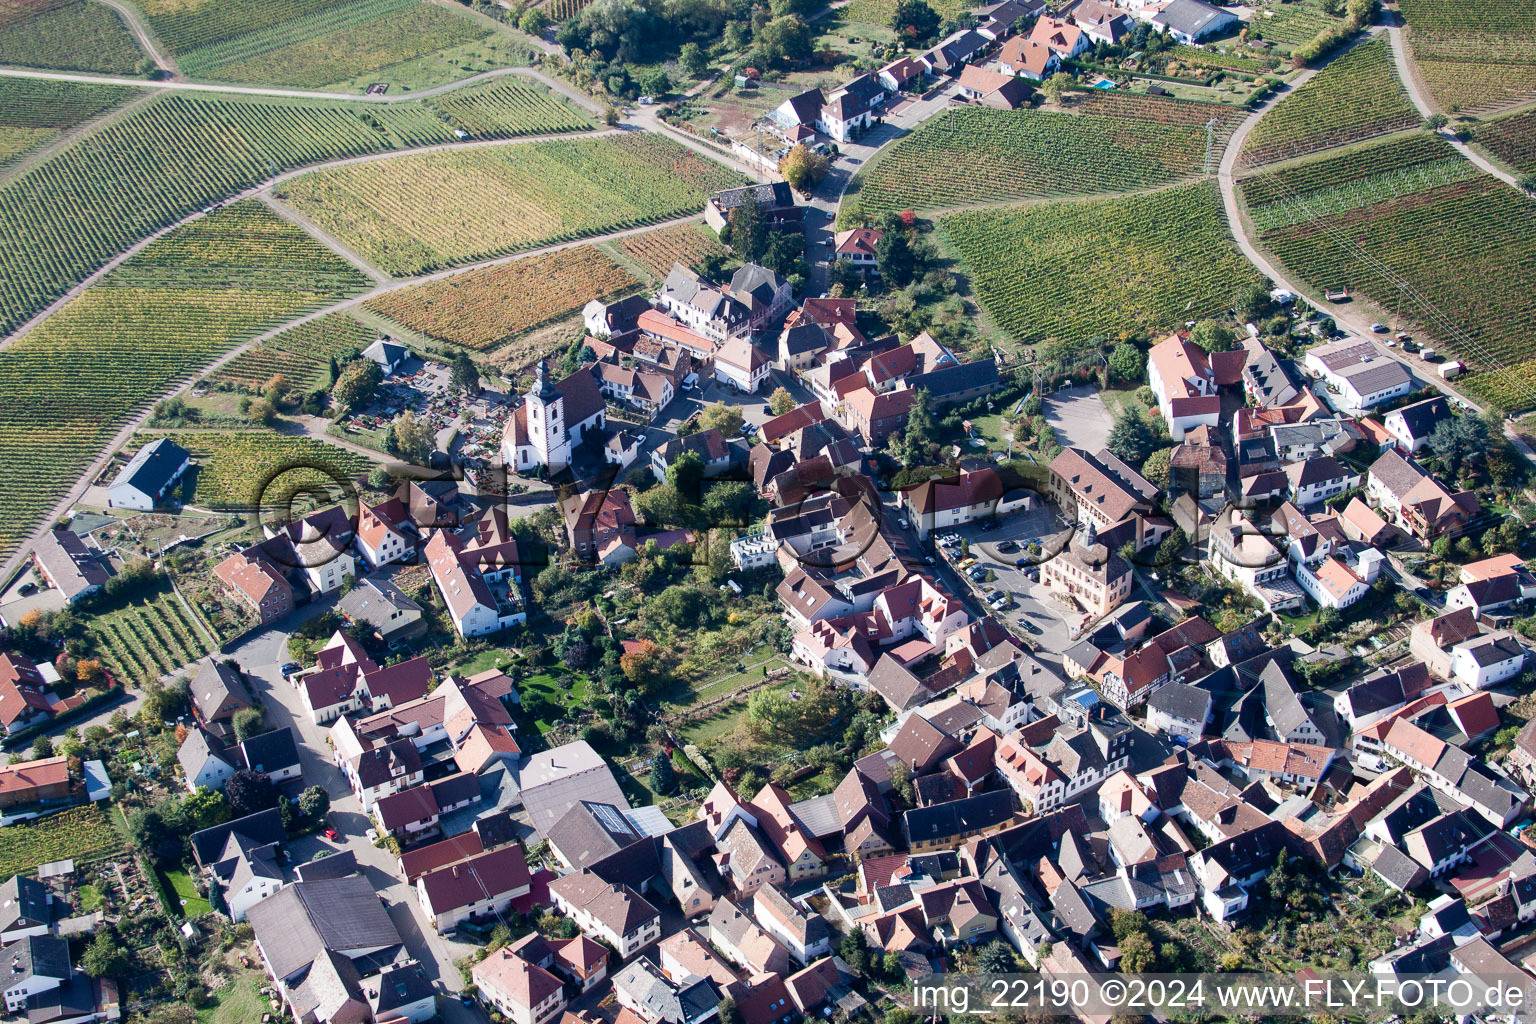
[(1467, 248), (233, 467), (147, 638), (1222, 61), (300, 354), (1474, 55), (563, 10), (508, 107), (1293, 23), (656, 251), (178, 153), (190, 26), (1512, 139), (880, 12), (81, 834), (1352, 181), (1101, 267), (975, 154), (177, 305), (1353, 98), (336, 45), (482, 309), (68, 35), (34, 112), (491, 202)]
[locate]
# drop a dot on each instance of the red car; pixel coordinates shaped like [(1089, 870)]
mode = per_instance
[(330, 834)]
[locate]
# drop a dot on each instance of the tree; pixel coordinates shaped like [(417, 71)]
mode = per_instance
[(901, 783), (249, 792), (357, 383), (729, 503), (803, 169), (1457, 439), (262, 411), (1157, 468), (685, 476), (781, 401), (1057, 84), (1131, 439), (728, 1012), (1211, 335), (644, 666), (248, 723), (680, 605), (655, 83), (1434, 122), (135, 577), (913, 444), (693, 59), (895, 258), (785, 254), (785, 39), (915, 20), (663, 777), (466, 375), (1251, 302), (414, 442), (996, 957), (748, 231), (725, 418), (1128, 362), (42, 747), (106, 957), (314, 803), (534, 21), (205, 808)]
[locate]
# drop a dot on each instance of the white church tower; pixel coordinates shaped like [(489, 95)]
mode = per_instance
[(546, 423)]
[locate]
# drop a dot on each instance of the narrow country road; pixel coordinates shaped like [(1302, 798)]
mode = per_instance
[(1355, 320), (147, 42)]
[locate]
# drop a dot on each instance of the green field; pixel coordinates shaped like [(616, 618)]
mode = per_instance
[(1511, 139), (80, 833), (977, 155), (185, 899), (33, 112), (490, 202), (69, 35), (549, 700), (1291, 24), (879, 12), (233, 467), (301, 355), (174, 307), (1473, 54), (1099, 267), (1353, 98), (147, 638), (178, 153)]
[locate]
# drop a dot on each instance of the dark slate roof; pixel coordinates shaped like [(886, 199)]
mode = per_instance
[(261, 828), (958, 817), (806, 106), (399, 985), (806, 336), (1420, 417), (952, 380), (36, 955), (1189, 703), (1188, 16), (776, 193), (590, 832), (74, 1000), (1454, 832), (1073, 909), (152, 468), (338, 865), (1399, 869), (271, 751), (23, 899), (304, 920)]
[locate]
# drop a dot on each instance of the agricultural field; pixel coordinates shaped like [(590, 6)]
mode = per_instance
[(1511, 139), (1353, 98), (483, 309), (80, 833), (491, 202), (302, 355), (233, 466), (979, 155), (1473, 55), (1360, 178), (1101, 266), (1294, 23), (68, 35), (147, 638), (1465, 252), (562, 10), (174, 307), (510, 107), (34, 112), (336, 44), (880, 12), (656, 251)]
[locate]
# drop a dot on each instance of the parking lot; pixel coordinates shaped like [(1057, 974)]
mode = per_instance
[(999, 550), (1079, 417)]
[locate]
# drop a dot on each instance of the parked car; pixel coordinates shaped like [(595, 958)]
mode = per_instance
[(27, 588), (330, 834), (373, 835), (1379, 328), (991, 524), (289, 668), (1007, 546), (966, 563)]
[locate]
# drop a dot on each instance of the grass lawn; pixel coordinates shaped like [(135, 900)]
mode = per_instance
[(1122, 397), (723, 723), (179, 884), (493, 657), (239, 1002), (547, 699), (90, 897)]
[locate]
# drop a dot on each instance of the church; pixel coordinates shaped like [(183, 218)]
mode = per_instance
[(553, 419)]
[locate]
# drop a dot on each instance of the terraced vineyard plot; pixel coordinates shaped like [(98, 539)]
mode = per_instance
[(335, 46), (975, 155), (1099, 267), (1357, 179), (489, 202), (1473, 54), (483, 308), (69, 35), (1512, 139), (300, 354), (1353, 98), (71, 383), (1468, 248), (656, 251), (161, 162), (1292, 23), (510, 107), (232, 466), (147, 638)]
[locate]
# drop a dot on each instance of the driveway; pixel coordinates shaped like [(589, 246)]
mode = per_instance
[(260, 656), (1079, 417)]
